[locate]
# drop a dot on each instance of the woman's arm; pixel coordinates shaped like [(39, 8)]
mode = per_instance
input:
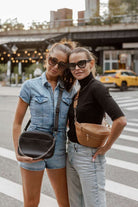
[(19, 115), (117, 128)]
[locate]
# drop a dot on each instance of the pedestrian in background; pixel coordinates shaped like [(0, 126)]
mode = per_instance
[(86, 165), (41, 95)]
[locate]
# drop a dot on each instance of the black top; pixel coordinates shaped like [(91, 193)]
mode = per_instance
[(94, 100)]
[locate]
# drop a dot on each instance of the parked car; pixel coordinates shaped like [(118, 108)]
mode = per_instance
[(120, 78)]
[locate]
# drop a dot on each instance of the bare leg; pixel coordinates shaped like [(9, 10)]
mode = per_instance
[(59, 183), (31, 181)]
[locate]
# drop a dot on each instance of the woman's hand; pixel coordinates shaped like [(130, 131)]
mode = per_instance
[(116, 130), (26, 159), (100, 151)]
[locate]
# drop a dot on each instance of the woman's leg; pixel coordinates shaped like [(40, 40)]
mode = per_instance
[(74, 186), (59, 183), (91, 175), (31, 181)]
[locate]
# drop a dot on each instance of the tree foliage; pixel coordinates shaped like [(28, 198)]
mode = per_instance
[(12, 25)]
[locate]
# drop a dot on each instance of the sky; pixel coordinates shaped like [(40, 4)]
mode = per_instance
[(27, 11)]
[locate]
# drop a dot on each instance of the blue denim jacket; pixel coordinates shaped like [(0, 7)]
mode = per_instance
[(42, 100)]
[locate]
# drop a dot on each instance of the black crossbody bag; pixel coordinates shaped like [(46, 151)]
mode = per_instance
[(39, 144)]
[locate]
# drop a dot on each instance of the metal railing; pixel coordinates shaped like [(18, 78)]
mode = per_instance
[(96, 21)]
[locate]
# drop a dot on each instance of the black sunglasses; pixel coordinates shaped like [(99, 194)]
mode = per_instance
[(80, 64), (54, 61)]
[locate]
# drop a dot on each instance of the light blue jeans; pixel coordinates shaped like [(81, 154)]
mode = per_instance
[(86, 179)]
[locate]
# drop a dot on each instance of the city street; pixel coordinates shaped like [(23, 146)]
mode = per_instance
[(122, 159)]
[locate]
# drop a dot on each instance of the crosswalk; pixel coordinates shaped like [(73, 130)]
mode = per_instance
[(128, 103), (14, 190), (119, 164)]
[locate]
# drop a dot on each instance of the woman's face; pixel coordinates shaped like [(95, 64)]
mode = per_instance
[(56, 63), (81, 60)]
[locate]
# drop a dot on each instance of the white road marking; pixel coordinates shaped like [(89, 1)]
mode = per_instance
[(128, 104), (131, 108), (122, 164), (7, 153), (120, 98), (130, 129), (132, 124), (133, 119), (122, 190), (129, 138), (125, 148), (128, 100), (14, 190)]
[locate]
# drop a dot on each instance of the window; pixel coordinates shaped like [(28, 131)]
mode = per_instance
[(114, 56), (115, 65), (107, 66), (107, 56), (131, 74)]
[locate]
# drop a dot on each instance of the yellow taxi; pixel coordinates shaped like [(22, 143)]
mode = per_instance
[(119, 78)]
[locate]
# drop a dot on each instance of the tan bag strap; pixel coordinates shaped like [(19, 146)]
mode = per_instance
[(75, 105), (105, 122)]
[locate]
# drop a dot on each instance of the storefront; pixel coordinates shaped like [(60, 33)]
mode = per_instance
[(120, 59)]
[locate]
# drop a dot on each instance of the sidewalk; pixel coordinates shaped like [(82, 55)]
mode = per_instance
[(9, 90)]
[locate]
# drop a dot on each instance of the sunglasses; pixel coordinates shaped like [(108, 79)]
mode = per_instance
[(80, 64), (54, 61)]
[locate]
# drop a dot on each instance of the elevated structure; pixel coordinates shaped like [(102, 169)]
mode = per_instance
[(107, 42)]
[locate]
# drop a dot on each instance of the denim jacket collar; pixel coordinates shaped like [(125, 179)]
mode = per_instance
[(46, 83)]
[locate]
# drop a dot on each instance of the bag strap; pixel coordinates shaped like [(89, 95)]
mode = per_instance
[(75, 111), (75, 105), (57, 110), (55, 129)]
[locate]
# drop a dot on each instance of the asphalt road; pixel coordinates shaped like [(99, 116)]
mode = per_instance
[(122, 159)]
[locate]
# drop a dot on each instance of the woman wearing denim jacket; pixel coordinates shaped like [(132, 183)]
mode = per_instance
[(86, 165), (41, 95)]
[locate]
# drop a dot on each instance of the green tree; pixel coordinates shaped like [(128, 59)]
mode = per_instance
[(32, 67), (3, 68), (38, 25), (11, 25), (132, 6)]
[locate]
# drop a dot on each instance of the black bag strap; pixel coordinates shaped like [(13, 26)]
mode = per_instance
[(55, 129), (57, 110)]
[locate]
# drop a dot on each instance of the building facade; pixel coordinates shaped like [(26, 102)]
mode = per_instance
[(92, 8), (61, 18)]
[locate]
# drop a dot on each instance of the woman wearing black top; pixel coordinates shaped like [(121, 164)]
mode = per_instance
[(85, 165)]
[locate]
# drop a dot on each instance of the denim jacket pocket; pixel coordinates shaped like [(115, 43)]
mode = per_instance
[(41, 99), (40, 106)]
